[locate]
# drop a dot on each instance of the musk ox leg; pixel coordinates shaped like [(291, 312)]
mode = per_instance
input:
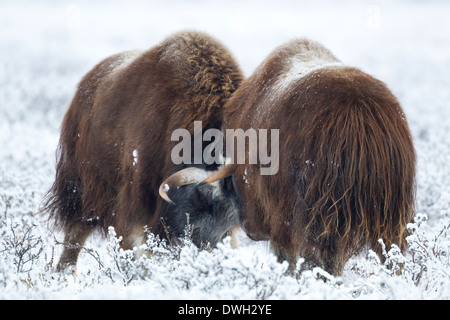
[(284, 254), (333, 264), (331, 261), (75, 237), (331, 258), (233, 233), (136, 239)]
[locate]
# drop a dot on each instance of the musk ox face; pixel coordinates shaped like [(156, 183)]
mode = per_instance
[(205, 211)]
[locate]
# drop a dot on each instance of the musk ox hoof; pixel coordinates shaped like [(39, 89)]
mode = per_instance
[(67, 268)]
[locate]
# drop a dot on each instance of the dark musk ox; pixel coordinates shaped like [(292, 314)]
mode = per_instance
[(346, 173), (115, 145)]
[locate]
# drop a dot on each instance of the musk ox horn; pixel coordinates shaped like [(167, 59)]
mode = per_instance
[(193, 175), (223, 173), (181, 178)]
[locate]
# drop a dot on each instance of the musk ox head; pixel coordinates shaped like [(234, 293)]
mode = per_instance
[(209, 210)]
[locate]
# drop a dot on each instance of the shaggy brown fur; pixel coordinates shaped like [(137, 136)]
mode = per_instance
[(133, 101), (347, 160)]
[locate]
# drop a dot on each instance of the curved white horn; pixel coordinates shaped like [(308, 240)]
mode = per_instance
[(181, 178), (222, 173), (193, 175)]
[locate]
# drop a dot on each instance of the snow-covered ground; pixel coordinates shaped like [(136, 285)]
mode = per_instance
[(47, 46)]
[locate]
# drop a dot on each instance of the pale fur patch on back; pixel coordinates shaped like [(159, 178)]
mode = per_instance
[(303, 63), (123, 61)]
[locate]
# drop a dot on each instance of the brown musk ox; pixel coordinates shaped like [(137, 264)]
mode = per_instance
[(346, 158), (115, 145)]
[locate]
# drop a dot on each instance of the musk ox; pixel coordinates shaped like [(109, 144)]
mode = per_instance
[(346, 173), (115, 145)]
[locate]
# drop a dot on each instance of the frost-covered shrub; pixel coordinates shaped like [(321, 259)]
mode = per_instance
[(429, 265), (182, 270), (423, 270), (185, 270), (22, 244)]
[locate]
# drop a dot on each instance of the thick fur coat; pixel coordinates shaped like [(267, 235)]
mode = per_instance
[(115, 143), (346, 162)]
